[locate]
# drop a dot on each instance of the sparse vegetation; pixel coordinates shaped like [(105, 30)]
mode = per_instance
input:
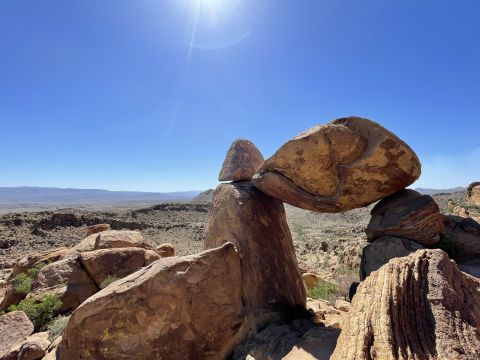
[(57, 326), (108, 280), (40, 312), (22, 283), (324, 290)]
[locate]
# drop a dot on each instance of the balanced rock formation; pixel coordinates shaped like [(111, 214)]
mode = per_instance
[(177, 308), (473, 193), (346, 164), (94, 229), (256, 224), (382, 250), (416, 307), (15, 327), (120, 262), (407, 214), (242, 161), (66, 278)]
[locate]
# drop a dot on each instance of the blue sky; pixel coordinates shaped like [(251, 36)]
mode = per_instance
[(148, 95)]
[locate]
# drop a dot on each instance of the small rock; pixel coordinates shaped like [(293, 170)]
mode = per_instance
[(165, 250), (94, 229)]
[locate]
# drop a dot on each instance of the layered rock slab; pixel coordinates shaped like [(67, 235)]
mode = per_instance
[(407, 214), (416, 307), (242, 161), (348, 163), (256, 224), (176, 308)]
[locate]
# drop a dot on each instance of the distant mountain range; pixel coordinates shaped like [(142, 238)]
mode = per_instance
[(439, 191), (46, 195)]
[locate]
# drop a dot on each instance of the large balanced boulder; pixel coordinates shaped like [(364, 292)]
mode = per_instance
[(257, 225), (473, 193), (104, 263), (66, 278), (416, 307), (176, 308), (15, 327), (382, 250), (407, 214), (346, 164), (242, 161)]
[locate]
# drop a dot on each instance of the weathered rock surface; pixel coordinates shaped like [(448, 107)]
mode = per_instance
[(473, 193), (382, 250), (176, 308), (327, 314), (346, 164), (256, 224), (15, 327), (111, 239), (299, 340), (465, 234), (120, 262), (31, 260), (66, 278), (165, 250), (310, 280), (416, 307), (242, 161), (407, 214), (94, 229), (34, 347)]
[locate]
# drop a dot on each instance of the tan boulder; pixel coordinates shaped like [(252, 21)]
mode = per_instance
[(407, 214), (165, 250), (34, 347), (310, 280), (346, 164), (15, 327), (382, 250), (416, 307), (31, 260), (177, 308), (327, 314), (87, 244), (461, 211), (66, 278), (473, 193), (256, 224), (94, 229), (120, 262), (111, 239), (51, 353), (242, 161)]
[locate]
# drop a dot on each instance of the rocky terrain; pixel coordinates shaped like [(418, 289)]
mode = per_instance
[(353, 266)]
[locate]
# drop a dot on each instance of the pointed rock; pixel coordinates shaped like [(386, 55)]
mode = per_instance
[(346, 164), (242, 161)]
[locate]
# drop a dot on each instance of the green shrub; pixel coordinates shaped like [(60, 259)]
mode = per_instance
[(108, 280), (57, 326), (40, 312), (22, 283), (324, 290)]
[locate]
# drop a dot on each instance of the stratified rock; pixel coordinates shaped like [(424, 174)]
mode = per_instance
[(15, 327), (94, 229), (382, 250), (120, 262), (473, 193), (66, 278), (242, 161), (34, 347), (176, 308), (165, 250), (346, 164), (416, 307), (257, 225), (407, 214)]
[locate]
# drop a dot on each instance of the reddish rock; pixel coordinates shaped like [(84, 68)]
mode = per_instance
[(242, 161), (15, 327), (166, 250), (94, 229)]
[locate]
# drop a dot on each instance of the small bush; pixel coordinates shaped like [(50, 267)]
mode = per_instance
[(324, 290), (57, 327), (108, 280), (40, 312), (22, 283)]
